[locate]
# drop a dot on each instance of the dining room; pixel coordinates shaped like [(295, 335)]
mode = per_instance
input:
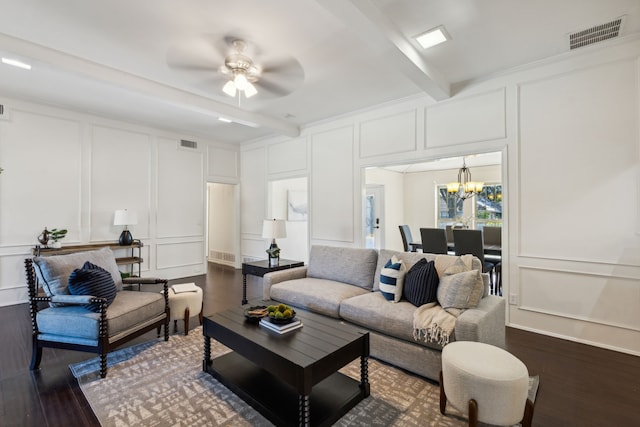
[(425, 206)]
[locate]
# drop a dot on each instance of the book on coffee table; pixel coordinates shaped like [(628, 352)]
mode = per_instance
[(281, 328)]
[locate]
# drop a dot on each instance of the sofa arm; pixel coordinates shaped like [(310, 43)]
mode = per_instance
[(485, 323), (274, 277)]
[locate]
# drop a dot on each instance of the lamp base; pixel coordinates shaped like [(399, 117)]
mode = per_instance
[(126, 238)]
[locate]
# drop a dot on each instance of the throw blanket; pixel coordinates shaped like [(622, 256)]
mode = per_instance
[(433, 324)]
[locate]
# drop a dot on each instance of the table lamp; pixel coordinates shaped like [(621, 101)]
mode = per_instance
[(126, 218), (274, 229)]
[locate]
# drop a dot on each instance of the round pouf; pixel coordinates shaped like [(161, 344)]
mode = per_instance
[(495, 379), (184, 305)]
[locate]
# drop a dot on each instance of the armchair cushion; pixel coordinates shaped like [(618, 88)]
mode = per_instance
[(92, 280), (53, 271), (77, 324)]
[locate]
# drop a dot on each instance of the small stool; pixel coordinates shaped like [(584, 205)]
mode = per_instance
[(491, 382), (183, 305)]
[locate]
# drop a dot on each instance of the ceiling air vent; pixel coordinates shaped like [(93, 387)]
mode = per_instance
[(188, 144), (596, 34)]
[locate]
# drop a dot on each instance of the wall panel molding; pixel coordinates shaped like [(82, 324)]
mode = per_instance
[(555, 292)]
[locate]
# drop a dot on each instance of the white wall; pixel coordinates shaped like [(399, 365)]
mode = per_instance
[(568, 128), (71, 170)]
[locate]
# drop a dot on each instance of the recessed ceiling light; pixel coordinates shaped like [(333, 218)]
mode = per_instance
[(16, 63), (432, 37), (223, 120)]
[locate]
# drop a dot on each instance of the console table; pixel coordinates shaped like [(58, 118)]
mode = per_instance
[(132, 259), (260, 268)]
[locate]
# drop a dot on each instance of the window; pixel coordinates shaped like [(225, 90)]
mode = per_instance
[(488, 206), (450, 208)]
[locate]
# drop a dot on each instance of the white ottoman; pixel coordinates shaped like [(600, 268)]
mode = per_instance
[(185, 303), (491, 382)]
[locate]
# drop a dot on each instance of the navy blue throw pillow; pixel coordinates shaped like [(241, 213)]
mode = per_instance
[(421, 283), (92, 280)]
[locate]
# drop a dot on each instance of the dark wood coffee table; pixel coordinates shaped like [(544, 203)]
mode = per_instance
[(291, 379)]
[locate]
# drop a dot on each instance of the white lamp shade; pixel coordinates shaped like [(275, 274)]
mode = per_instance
[(274, 229), (125, 217)]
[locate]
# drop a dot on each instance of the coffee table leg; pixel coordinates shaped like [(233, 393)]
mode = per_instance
[(364, 375), (304, 410), (206, 361), (244, 289)]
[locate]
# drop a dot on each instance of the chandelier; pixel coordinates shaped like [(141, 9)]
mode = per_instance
[(464, 188)]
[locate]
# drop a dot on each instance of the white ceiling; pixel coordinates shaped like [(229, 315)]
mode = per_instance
[(110, 57)]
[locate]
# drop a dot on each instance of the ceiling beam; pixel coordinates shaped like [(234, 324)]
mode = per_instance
[(370, 24), (163, 93)]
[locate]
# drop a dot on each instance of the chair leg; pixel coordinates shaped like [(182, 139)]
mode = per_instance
[(473, 413), (36, 356), (200, 315), (186, 321), (443, 396), (103, 364)]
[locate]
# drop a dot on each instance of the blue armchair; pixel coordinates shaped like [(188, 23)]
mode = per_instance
[(77, 302)]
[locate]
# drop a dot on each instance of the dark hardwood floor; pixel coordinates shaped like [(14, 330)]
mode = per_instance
[(580, 385)]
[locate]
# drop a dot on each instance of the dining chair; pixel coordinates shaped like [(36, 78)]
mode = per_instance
[(493, 237), (407, 239), (468, 241), (434, 240)]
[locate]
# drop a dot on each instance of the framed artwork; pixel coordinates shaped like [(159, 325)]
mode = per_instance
[(297, 206)]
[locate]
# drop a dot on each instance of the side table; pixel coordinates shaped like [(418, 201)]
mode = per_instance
[(260, 268)]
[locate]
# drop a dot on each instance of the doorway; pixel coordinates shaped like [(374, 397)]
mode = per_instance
[(222, 224), (374, 217)]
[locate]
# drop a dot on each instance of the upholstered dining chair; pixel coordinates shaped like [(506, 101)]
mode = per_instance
[(468, 241), (407, 239), (434, 240), (77, 302), (493, 237)]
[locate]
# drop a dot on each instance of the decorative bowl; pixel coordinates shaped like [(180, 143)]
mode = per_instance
[(252, 315), (283, 321)]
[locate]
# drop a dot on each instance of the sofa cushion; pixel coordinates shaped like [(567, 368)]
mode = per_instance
[(460, 287), (355, 266), (318, 295), (129, 309), (53, 271), (95, 281), (374, 312), (421, 283), (441, 262), (391, 279)]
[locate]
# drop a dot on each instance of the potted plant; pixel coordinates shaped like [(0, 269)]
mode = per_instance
[(55, 235)]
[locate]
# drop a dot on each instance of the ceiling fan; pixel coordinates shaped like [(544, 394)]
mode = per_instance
[(237, 68)]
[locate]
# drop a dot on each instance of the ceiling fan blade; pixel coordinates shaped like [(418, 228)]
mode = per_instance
[(283, 66), (270, 89), (195, 54)]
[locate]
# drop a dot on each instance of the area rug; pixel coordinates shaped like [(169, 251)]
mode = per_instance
[(161, 383)]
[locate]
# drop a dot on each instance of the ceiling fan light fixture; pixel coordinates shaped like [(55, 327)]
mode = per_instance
[(240, 80), (250, 90), (229, 88), (432, 37)]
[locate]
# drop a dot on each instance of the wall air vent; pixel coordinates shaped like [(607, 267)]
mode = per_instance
[(188, 144), (4, 112), (596, 34)]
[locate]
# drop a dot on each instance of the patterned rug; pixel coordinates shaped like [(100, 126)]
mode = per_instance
[(161, 383)]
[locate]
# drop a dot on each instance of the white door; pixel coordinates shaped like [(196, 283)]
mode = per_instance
[(374, 217)]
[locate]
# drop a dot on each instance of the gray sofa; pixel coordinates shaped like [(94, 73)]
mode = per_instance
[(343, 283)]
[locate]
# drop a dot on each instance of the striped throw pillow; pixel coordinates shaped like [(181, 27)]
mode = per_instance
[(92, 280), (391, 279)]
